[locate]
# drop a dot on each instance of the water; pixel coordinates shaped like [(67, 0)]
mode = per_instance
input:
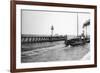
[(55, 51)]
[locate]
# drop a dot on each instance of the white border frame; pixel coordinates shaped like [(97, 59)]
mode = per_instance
[(19, 65)]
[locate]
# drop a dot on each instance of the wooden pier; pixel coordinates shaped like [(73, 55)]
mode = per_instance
[(38, 39)]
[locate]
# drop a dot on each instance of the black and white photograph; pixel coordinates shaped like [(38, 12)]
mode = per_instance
[(52, 36), (48, 36)]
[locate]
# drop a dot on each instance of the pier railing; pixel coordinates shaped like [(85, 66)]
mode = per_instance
[(39, 39)]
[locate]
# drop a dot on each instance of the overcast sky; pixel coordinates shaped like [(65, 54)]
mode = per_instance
[(40, 22)]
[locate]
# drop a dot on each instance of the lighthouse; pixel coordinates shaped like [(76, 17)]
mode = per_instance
[(52, 29)]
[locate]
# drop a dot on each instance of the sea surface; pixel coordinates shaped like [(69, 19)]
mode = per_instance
[(52, 51)]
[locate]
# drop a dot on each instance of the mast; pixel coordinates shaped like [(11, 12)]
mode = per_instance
[(77, 25)]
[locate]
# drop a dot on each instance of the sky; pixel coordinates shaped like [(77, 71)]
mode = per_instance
[(40, 22)]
